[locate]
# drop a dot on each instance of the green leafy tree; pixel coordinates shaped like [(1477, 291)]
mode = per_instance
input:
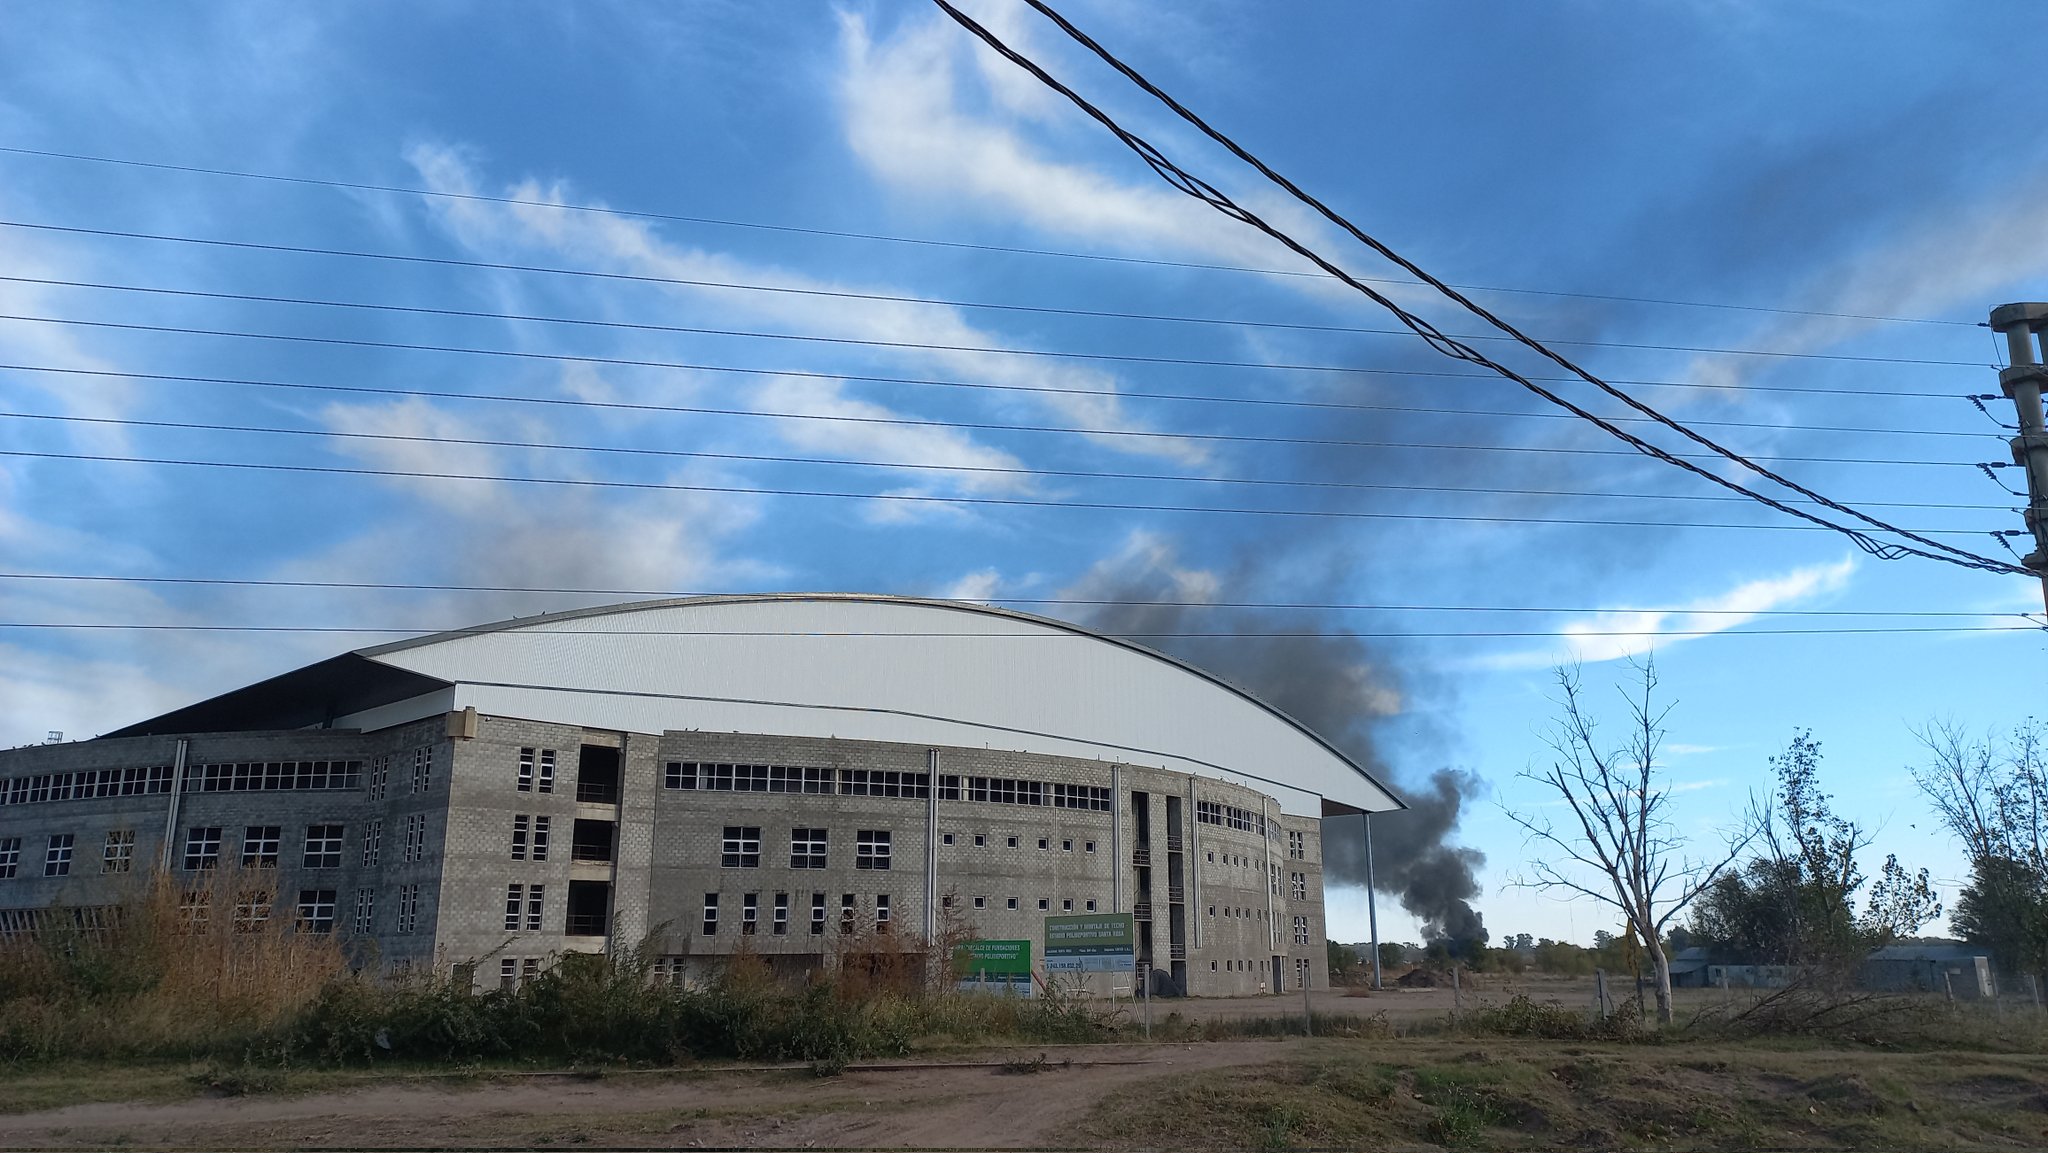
[(1992, 793), (1795, 902)]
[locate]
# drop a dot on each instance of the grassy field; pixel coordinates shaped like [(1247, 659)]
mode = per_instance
[(1548, 1095), (1446, 1091)]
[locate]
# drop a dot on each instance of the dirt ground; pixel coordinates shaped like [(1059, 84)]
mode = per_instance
[(969, 1101), (1408, 1006), (1441, 1092)]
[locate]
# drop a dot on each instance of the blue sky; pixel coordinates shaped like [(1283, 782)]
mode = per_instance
[(1807, 164)]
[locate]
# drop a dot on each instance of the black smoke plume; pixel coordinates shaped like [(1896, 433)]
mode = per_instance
[(1335, 684)]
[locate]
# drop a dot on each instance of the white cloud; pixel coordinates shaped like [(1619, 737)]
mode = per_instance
[(1616, 635), (979, 586), (1086, 396)]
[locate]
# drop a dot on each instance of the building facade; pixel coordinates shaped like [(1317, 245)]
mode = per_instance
[(391, 797)]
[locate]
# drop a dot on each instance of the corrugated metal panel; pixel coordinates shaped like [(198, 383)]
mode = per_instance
[(887, 669)]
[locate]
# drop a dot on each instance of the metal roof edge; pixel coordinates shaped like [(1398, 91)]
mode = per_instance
[(887, 598)]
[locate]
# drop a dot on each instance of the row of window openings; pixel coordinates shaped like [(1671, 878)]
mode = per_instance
[(823, 781), (750, 913), (314, 912), (740, 848), (323, 844), (216, 777), (1044, 903), (1243, 966)]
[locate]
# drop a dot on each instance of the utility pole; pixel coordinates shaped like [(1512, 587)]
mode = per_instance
[(2023, 382), (1372, 909)]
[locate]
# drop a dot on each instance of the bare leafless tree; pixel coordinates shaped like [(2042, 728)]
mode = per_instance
[(1621, 847)]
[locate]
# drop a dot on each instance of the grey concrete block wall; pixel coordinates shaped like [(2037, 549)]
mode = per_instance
[(667, 846)]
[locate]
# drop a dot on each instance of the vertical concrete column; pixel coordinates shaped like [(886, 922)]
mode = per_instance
[(171, 814), (633, 857), (931, 848), (1117, 864)]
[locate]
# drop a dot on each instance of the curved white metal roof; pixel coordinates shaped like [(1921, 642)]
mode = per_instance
[(882, 668)]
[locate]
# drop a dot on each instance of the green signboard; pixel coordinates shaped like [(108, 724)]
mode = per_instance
[(1092, 943), (993, 958), (994, 967)]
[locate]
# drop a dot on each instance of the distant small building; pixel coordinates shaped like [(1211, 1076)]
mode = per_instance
[(1931, 967)]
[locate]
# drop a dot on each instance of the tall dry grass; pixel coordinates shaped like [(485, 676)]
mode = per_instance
[(175, 970), (177, 966)]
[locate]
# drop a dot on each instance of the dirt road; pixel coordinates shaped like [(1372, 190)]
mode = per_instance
[(929, 1106)]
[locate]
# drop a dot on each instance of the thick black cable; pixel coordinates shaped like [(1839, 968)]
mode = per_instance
[(904, 498), (1085, 602), (865, 342), (1436, 339), (553, 632), (954, 244), (1405, 445)]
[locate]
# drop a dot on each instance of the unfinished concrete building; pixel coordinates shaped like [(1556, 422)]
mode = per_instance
[(774, 773)]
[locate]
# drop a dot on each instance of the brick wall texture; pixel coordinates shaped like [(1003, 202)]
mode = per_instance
[(1223, 909)]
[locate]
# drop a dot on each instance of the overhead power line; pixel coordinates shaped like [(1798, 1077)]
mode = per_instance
[(906, 498), (868, 342), (1441, 342), (1331, 406), (552, 631), (528, 202), (1083, 602), (630, 450)]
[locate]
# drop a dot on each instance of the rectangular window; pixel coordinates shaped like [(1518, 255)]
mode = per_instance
[(680, 775), (846, 910), (252, 911), (259, 846), (817, 914), (981, 902), (508, 974), (373, 840), (742, 848), (535, 902), (871, 849), (194, 911), (57, 858), (408, 908), (316, 910), (515, 906), (807, 848), (202, 847), (422, 768), (525, 775), (1091, 906), (949, 787), (521, 824), (1297, 845), (711, 914), (540, 837), (881, 912), (782, 914), (119, 854), (1300, 886), (750, 912), (529, 968), (323, 846), (366, 912), (416, 838), (1301, 930), (546, 782), (10, 857)]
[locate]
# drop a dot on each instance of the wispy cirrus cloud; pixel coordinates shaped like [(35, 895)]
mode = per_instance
[(1612, 636)]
